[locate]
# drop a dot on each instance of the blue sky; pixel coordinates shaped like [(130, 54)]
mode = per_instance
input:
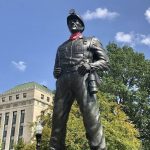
[(31, 31)]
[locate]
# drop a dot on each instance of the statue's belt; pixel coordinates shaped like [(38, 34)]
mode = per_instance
[(69, 69), (72, 69)]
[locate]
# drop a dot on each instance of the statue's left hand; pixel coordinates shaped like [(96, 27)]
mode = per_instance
[(85, 68), (57, 72)]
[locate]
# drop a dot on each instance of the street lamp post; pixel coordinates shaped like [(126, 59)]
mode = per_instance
[(39, 129)]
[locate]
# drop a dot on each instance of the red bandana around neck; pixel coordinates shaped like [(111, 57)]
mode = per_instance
[(75, 36)]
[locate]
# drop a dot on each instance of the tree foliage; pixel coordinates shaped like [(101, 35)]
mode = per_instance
[(21, 145), (128, 81), (120, 132)]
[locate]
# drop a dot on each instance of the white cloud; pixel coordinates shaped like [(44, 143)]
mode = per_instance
[(20, 65), (99, 13), (132, 39), (146, 40), (124, 37), (147, 15)]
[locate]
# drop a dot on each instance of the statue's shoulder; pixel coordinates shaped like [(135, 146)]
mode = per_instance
[(93, 41), (89, 38), (96, 42), (63, 44)]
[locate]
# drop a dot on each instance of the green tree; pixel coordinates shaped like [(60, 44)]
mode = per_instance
[(120, 132), (31, 146), (20, 145), (128, 81)]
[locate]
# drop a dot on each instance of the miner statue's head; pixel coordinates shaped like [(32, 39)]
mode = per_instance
[(75, 22)]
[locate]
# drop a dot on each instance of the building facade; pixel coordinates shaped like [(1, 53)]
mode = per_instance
[(19, 108)]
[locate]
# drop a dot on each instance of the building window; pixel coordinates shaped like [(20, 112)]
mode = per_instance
[(22, 116), (42, 96), (48, 99), (4, 139), (3, 99), (6, 118), (4, 133), (11, 145), (24, 95), (17, 96), (14, 117), (21, 122), (20, 131), (12, 131), (10, 98)]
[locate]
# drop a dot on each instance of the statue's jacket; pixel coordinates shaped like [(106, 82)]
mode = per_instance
[(73, 53)]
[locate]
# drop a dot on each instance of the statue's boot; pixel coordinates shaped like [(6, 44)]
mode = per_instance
[(97, 148), (94, 145), (51, 148)]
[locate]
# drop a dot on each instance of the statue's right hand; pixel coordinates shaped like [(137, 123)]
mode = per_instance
[(57, 72)]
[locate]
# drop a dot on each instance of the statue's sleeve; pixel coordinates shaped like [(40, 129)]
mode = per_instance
[(56, 65), (100, 57), (56, 60)]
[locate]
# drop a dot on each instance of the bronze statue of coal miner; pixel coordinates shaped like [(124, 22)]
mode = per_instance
[(76, 64)]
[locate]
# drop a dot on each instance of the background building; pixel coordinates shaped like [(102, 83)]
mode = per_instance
[(19, 107)]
